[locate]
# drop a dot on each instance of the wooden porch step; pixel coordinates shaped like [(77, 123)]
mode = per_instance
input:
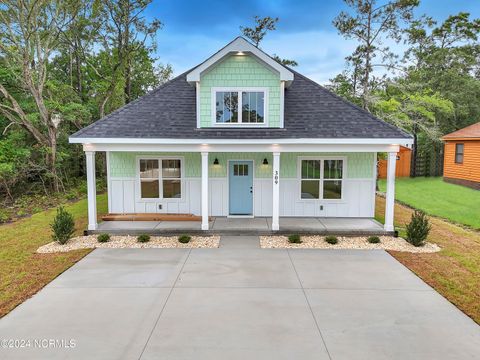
[(151, 217)]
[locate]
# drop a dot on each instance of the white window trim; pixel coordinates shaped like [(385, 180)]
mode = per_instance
[(213, 96), (321, 180), (160, 178)]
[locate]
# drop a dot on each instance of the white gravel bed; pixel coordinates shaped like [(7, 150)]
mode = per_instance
[(344, 242), (129, 242)]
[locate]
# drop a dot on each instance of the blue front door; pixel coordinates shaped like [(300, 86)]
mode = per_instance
[(241, 187)]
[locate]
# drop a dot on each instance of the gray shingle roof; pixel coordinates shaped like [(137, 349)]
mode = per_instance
[(311, 111)]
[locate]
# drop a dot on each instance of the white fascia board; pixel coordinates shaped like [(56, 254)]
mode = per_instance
[(173, 148), (242, 46), (312, 141)]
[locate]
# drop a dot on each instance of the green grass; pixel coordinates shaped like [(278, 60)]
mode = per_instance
[(454, 271), (22, 271), (456, 203)]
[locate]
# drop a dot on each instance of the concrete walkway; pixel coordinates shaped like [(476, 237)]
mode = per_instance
[(239, 303), (249, 226)]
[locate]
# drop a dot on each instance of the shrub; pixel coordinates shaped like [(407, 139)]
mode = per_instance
[(295, 239), (63, 226), (418, 228), (21, 213), (331, 239), (4, 217), (71, 195), (373, 239), (184, 239), (103, 237), (143, 238)]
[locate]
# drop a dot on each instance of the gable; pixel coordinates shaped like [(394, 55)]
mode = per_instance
[(237, 47), (240, 71)]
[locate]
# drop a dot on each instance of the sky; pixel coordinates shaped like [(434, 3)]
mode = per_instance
[(194, 30)]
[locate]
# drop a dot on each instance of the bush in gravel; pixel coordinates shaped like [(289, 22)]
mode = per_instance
[(63, 226), (184, 239), (295, 239), (373, 240), (331, 239), (143, 238), (418, 228), (103, 237)]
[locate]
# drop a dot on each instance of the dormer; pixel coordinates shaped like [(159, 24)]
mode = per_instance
[(240, 86)]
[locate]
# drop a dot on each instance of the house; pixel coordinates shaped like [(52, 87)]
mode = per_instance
[(241, 135), (402, 169), (462, 157)]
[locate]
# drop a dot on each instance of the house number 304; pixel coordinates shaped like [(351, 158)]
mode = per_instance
[(275, 177)]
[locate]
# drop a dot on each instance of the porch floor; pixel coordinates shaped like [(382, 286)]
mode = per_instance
[(248, 226)]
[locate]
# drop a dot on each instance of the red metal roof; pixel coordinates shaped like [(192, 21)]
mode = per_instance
[(469, 132)]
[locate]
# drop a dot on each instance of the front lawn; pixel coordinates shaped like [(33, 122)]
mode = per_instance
[(22, 271), (454, 271), (456, 203)]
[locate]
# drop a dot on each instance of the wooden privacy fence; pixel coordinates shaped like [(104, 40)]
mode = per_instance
[(402, 169)]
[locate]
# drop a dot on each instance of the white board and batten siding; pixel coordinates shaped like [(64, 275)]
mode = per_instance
[(358, 199), (124, 199)]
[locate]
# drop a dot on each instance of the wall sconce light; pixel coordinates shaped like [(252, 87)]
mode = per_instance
[(265, 161), (215, 162)]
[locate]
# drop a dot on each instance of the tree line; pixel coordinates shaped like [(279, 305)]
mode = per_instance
[(67, 63), (429, 89), (63, 65)]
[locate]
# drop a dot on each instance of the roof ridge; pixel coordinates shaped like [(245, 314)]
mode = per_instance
[(349, 103)]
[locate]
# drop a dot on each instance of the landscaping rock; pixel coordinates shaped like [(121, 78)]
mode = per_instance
[(127, 242), (318, 242)]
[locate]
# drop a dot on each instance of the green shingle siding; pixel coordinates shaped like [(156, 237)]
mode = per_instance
[(359, 165), (240, 71), (123, 164), (220, 170)]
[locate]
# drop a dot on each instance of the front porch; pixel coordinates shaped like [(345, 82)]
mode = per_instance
[(248, 190), (248, 226)]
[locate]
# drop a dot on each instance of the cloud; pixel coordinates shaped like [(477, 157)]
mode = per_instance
[(320, 54)]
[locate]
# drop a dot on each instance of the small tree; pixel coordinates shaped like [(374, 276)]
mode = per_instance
[(63, 226), (418, 228), (258, 32)]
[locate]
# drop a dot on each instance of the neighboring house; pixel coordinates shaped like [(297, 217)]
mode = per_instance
[(241, 135), (462, 157), (404, 159)]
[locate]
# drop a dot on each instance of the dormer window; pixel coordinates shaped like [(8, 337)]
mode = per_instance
[(228, 101)]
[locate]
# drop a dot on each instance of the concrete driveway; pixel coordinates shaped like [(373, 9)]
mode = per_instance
[(238, 303)]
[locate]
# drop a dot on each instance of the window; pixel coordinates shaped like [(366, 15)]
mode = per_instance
[(321, 179), (155, 184), (459, 153), (252, 107), (227, 107), (240, 170), (251, 103), (149, 179), (171, 179)]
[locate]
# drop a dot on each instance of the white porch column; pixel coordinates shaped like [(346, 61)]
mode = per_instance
[(276, 192), (204, 190), (390, 195), (91, 190)]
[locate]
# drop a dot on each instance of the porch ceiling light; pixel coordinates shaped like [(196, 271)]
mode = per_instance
[(265, 161), (215, 162)]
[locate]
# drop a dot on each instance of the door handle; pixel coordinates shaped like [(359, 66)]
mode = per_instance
[(251, 190)]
